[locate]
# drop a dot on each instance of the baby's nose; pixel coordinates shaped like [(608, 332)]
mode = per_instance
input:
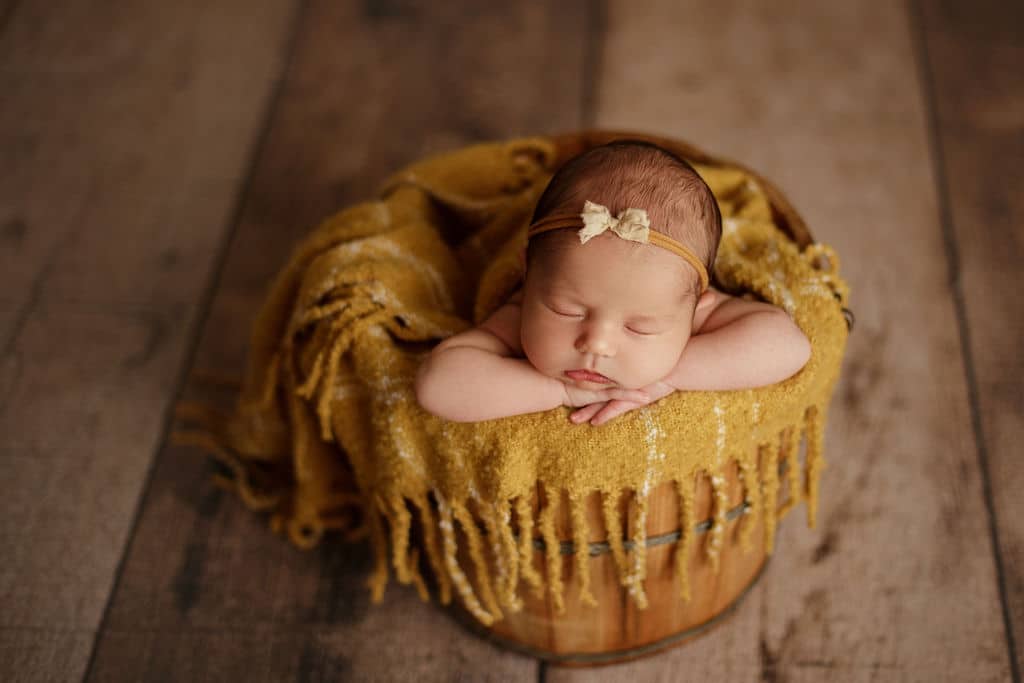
[(597, 344)]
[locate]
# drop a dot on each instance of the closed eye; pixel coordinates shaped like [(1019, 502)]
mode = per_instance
[(577, 316), (564, 315)]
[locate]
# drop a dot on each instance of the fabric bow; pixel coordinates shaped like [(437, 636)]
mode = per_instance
[(630, 224)]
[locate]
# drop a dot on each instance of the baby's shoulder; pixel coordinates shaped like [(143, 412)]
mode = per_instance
[(505, 322), (722, 309)]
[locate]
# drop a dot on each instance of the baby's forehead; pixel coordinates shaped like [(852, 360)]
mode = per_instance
[(651, 278)]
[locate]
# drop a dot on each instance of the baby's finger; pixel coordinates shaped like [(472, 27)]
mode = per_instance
[(587, 412), (635, 395), (612, 410)]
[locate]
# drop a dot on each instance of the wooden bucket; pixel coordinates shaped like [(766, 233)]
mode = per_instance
[(616, 629)]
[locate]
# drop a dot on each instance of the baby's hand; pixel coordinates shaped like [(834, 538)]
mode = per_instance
[(574, 396), (601, 412)]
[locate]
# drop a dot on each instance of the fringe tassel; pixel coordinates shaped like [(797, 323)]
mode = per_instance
[(417, 578), (791, 456), (609, 505), (308, 387), (504, 537), (433, 549), (318, 313), (582, 547), (400, 522), (751, 496), (524, 517), (770, 483), (379, 577), (486, 514), (639, 573), (305, 531), (815, 461), (451, 562), (350, 326), (476, 552), (720, 506), (323, 407), (342, 514), (239, 483), (406, 560), (553, 551), (512, 552), (686, 533)]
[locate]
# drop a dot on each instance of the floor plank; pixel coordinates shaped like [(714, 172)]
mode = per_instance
[(204, 576), (44, 654), (901, 560), (125, 131), (974, 54)]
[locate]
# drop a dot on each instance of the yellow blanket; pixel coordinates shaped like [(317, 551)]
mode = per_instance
[(327, 433)]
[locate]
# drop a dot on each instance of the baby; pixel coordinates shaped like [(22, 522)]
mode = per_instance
[(614, 313)]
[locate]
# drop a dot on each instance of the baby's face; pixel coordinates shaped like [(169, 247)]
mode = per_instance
[(605, 307)]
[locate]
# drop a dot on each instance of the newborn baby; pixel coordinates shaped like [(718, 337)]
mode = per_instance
[(615, 310)]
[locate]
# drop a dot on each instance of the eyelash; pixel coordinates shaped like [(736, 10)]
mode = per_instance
[(576, 316)]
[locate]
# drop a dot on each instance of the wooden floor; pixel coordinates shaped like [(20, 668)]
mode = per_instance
[(158, 160)]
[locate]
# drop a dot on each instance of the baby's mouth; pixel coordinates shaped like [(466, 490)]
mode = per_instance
[(588, 376)]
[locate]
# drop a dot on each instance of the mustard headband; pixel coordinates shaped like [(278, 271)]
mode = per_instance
[(631, 224)]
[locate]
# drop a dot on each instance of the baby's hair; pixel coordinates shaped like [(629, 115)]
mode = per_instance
[(633, 173)]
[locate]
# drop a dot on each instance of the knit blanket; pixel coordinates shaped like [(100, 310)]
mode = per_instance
[(327, 433)]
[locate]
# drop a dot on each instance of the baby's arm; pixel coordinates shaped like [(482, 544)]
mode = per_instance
[(741, 345), (471, 376), (474, 376)]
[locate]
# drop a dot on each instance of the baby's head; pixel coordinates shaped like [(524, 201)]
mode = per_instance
[(620, 308)]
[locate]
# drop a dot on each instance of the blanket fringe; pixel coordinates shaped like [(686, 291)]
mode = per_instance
[(581, 546), (639, 569), (404, 559), (552, 550), (524, 518), (511, 554), (790, 455), (459, 579), (719, 508), (684, 490), (501, 559), (379, 577), (613, 527), (240, 480), (815, 461), (770, 494), (476, 553), (751, 498)]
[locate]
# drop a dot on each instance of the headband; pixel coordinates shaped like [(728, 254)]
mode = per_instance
[(630, 224)]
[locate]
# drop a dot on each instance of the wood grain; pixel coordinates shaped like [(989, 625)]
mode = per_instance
[(370, 87), (974, 55), (44, 654), (119, 175), (901, 560)]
